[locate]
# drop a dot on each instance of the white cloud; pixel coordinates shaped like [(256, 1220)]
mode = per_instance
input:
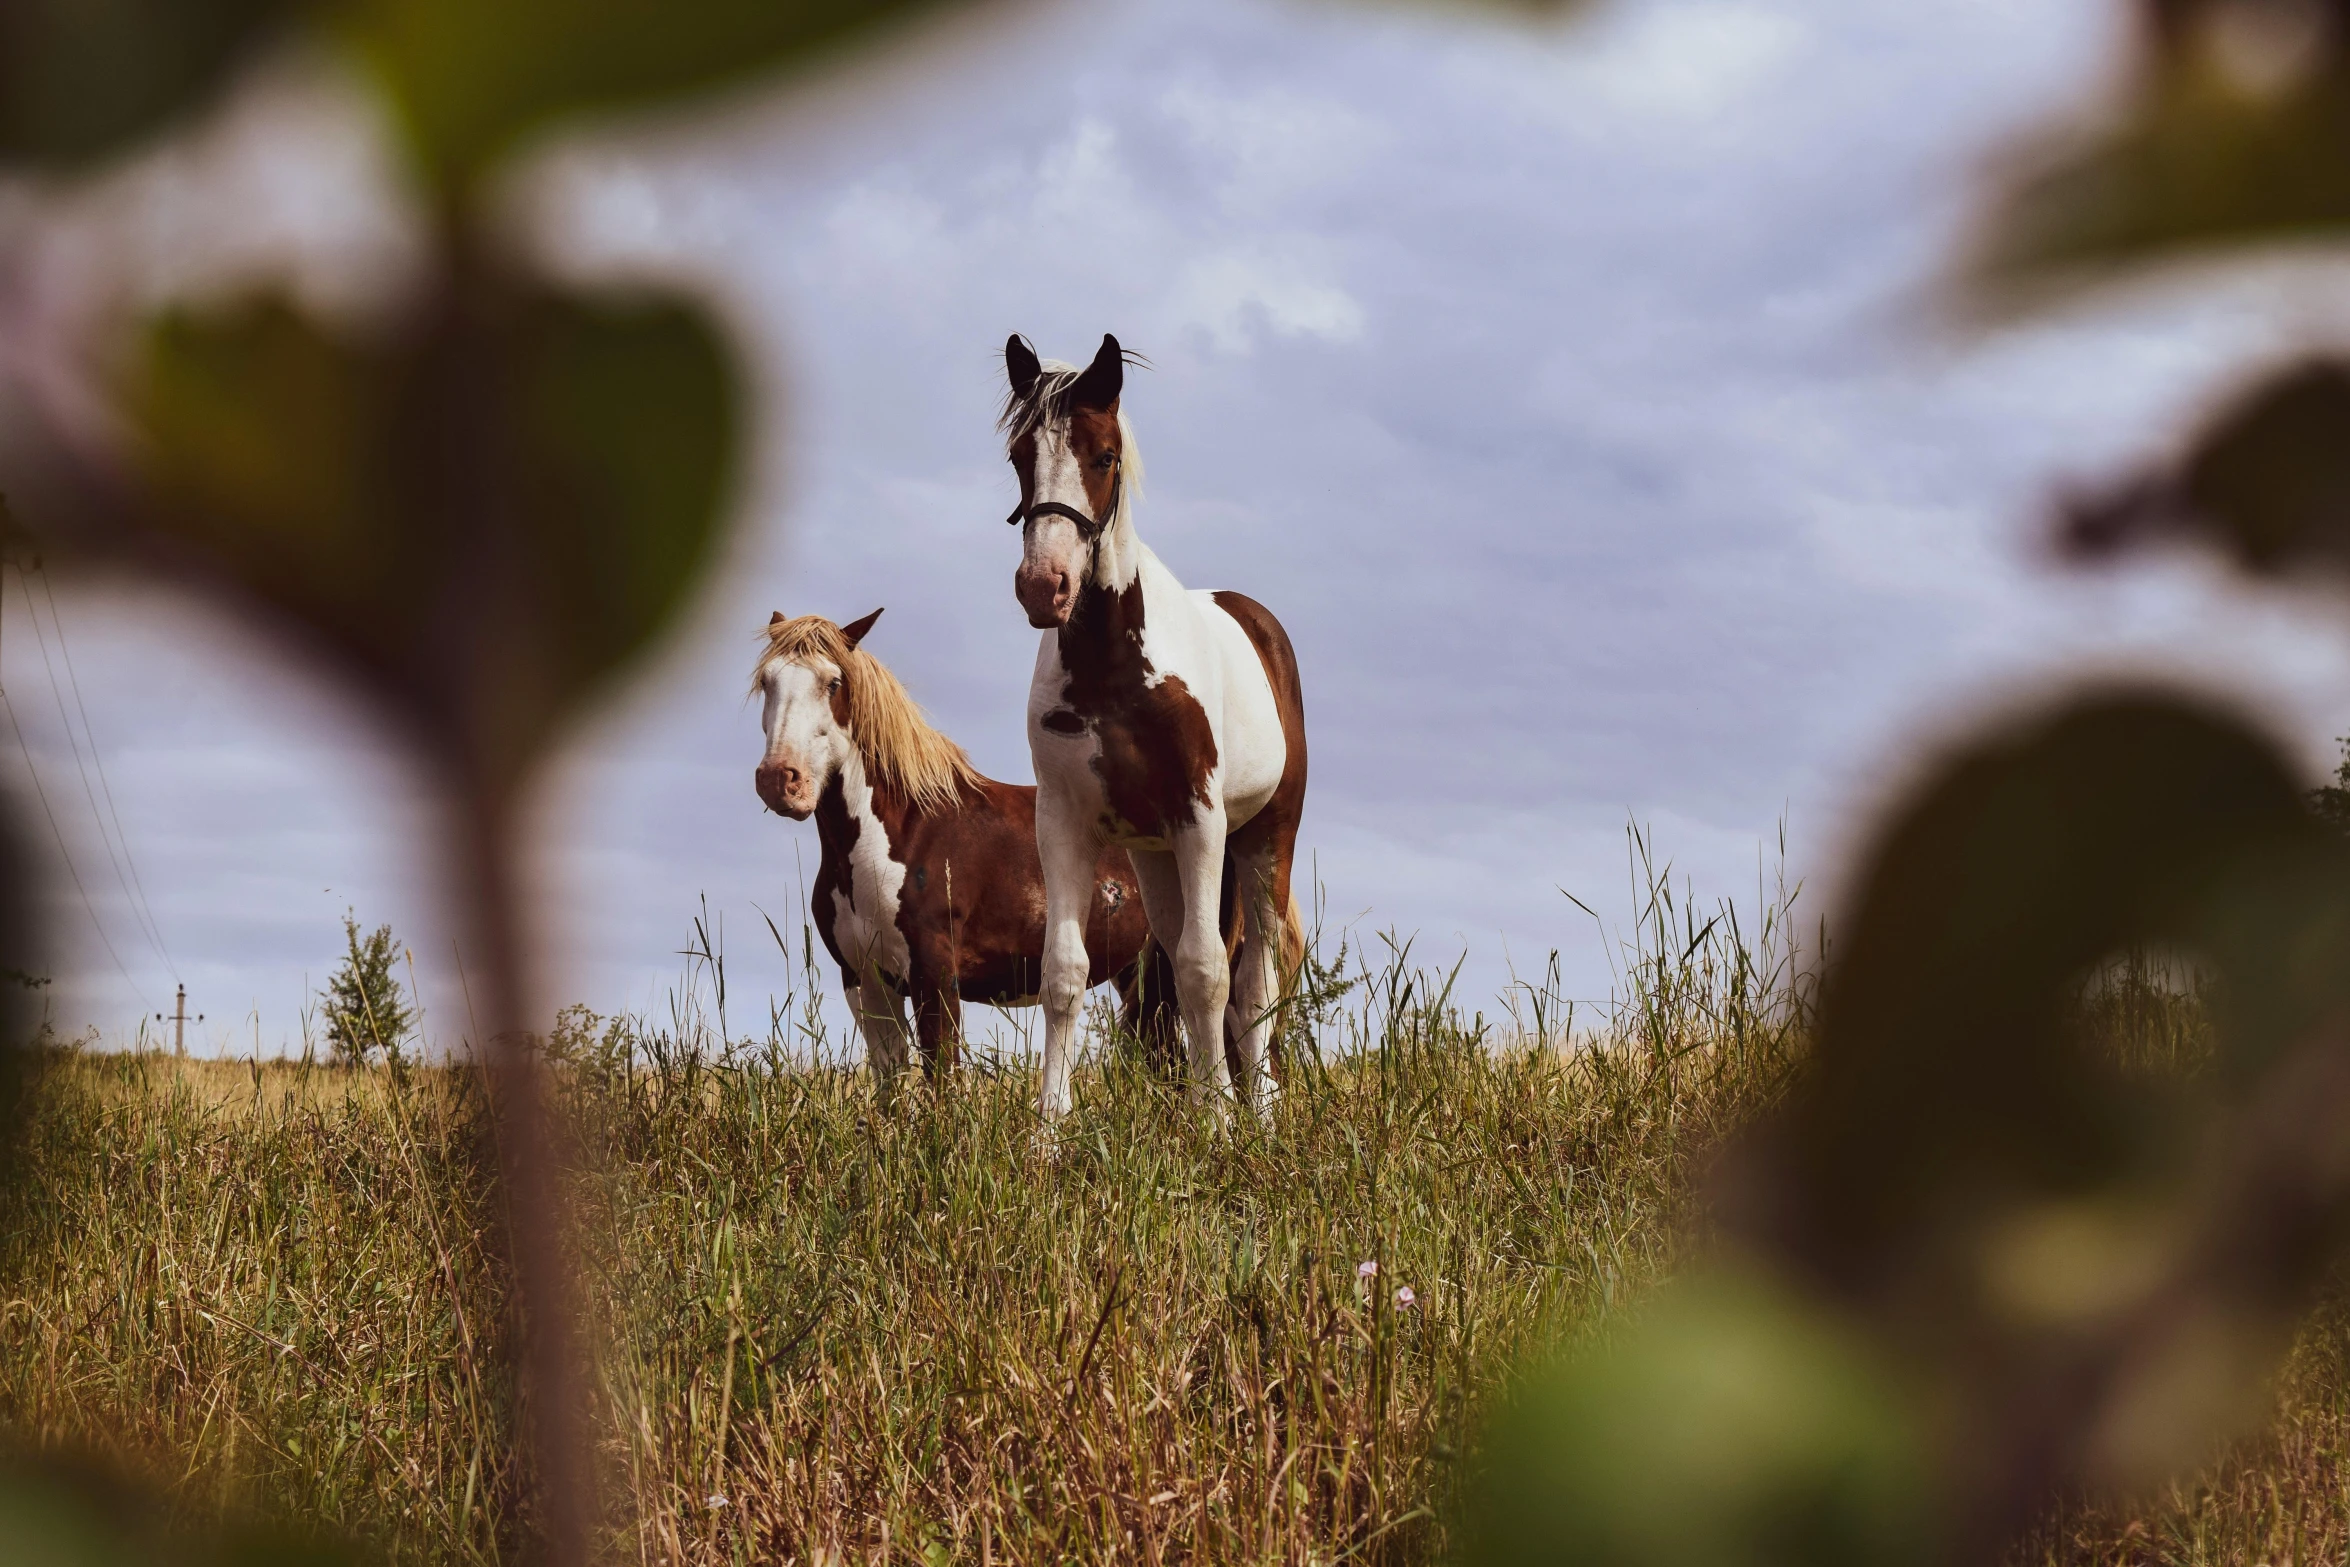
[(1581, 357), (1695, 59), (1237, 295), (1081, 183), (1644, 66), (1273, 145)]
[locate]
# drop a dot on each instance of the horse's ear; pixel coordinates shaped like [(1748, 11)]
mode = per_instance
[(1022, 365), (855, 630), (1103, 380), (778, 618)]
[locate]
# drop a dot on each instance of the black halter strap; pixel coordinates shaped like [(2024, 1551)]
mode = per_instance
[(1088, 528)]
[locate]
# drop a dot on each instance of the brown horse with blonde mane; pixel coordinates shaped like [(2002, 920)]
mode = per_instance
[(930, 886)]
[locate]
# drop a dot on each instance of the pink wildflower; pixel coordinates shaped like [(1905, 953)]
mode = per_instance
[(1405, 1300), (1366, 1270)]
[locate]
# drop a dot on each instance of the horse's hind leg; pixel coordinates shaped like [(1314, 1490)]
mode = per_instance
[(1256, 968), (1148, 1010)]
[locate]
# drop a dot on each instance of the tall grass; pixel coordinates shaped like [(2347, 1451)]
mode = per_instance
[(833, 1328), (837, 1328)]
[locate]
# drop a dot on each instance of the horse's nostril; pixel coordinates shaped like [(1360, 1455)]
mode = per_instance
[(777, 781)]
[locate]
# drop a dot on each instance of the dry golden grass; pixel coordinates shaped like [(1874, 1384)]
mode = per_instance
[(834, 1329)]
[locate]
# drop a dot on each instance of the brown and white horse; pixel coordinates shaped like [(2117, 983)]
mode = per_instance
[(929, 884), (1165, 722)]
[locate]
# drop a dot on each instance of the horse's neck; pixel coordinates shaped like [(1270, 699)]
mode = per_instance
[(855, 805), (1103, 639), (1119, 563)]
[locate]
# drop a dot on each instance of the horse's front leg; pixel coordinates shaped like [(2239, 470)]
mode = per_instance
[(1181, 890), (938, 1026), (879, 1007), (1068, 851)]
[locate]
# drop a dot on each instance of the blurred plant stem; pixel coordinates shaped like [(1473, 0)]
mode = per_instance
[(530, 1165)]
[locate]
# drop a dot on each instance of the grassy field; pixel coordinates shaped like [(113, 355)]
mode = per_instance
[(837, 1330)]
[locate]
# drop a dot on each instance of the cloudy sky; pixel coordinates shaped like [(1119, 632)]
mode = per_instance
[(1576, 397)]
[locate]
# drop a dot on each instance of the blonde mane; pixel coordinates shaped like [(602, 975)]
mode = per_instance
[(900, 750)]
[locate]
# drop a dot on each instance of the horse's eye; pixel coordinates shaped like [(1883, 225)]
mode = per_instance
[(834, 688), (1105, 460)]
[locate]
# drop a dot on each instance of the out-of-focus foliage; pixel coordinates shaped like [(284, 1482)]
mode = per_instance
[(2094, 1264), (471, 79), (1944, 1067), (80, 79), (481, 518), (2266, 481), (1738, 1424), (2079, 1271), (2236, 129), (55, 1516)]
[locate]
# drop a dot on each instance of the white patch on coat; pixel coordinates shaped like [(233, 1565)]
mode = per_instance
[(801, 729), (1251, 746), (1189, 635), (865, 915)]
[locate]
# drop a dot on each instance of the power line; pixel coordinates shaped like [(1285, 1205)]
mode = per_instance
[(145, 909), (9, 708), (81, 766)]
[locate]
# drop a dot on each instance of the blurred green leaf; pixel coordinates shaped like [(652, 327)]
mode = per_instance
[(82, 79), (2091, 1263), (2215, 148), (470, 79), (2267, 481), (1735, 1425), (1946, 1078), (60, 1515), (483, 520)]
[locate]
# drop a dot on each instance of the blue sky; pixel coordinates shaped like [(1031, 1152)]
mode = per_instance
[(1578, 397)]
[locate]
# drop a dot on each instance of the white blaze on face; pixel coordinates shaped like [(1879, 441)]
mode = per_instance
[(807, 749), (806, 746), (1053, 551)]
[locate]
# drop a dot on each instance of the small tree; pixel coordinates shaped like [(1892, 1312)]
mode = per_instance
[(365, 1011)]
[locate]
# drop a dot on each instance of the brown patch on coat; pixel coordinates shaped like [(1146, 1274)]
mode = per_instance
[(1276, 824), (1154, 749), (971, 908), (1098, 443), (1022, 451)]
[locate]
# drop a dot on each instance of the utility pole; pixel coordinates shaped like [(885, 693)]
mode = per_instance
[(178, 1020)]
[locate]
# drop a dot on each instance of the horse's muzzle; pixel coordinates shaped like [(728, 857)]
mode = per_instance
[(1046, 594), (785, 789)]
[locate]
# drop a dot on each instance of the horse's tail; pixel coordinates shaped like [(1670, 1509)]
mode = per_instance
[(1292, 965)]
